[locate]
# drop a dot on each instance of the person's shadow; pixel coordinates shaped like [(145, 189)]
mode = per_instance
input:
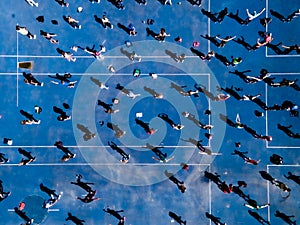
[(236, 17), (195, 142), (245, 44), (211, 16), (87, 133), (222, 59), (150, 33), (123, 27), (197, 52), (173, 55), (99, 20), (277, 15), (153, 92), (97, 82), (228, 121), (126, 53)]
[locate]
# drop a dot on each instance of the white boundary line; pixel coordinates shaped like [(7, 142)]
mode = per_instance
[(17, 70), (275, 56), (268, 198), (266, 112), (209, 195), (104, 164), (268, 184), (266, 100), (284, 165), (49, 210), (105, 74), (91, 57)]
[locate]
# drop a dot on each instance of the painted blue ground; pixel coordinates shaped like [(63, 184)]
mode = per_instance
[(140, 187)]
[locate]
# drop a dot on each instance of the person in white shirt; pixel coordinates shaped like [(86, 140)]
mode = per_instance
[(24, 31), (253, 16)]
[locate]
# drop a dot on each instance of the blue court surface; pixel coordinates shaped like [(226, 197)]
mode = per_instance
[(144, 188)]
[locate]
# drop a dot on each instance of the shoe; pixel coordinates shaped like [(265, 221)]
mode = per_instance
[(79, 27)]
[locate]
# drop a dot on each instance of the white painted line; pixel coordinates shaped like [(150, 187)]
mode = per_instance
[(289, 147), (49, 210), (283, 165), (105, 164)]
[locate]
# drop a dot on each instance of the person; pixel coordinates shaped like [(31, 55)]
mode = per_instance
[(23, 215), (3, 159), (224, 40), (135, 57), (74, 23), (192, 117), (177, 218), (29, 157), (126, 91), (100, 84), (180, 184), (166, 118), (276, 159), (51, 201), (62, 3), (95, 53), (67, 153), (84, 185), (32, 3), (107, 107), (146, 126), (162, 157), (132, 30), (125, 156), (253, 16), (89, 197), (30, 79), (162, 35), (208, 56), (29, 118), (252, 204), (106, 22), (67, 55), (168, 2), (246, 159), (62, 114), (267, 39), (236, 60), (64, 80), (3, 194), (282, 186), (24, 31), (48, 191), (49, 36)]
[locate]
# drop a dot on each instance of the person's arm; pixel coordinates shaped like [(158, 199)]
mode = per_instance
[(248, 13), (260, 12), (286, 47)]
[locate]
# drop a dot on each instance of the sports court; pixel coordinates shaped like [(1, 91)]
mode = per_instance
[(141, 187)]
